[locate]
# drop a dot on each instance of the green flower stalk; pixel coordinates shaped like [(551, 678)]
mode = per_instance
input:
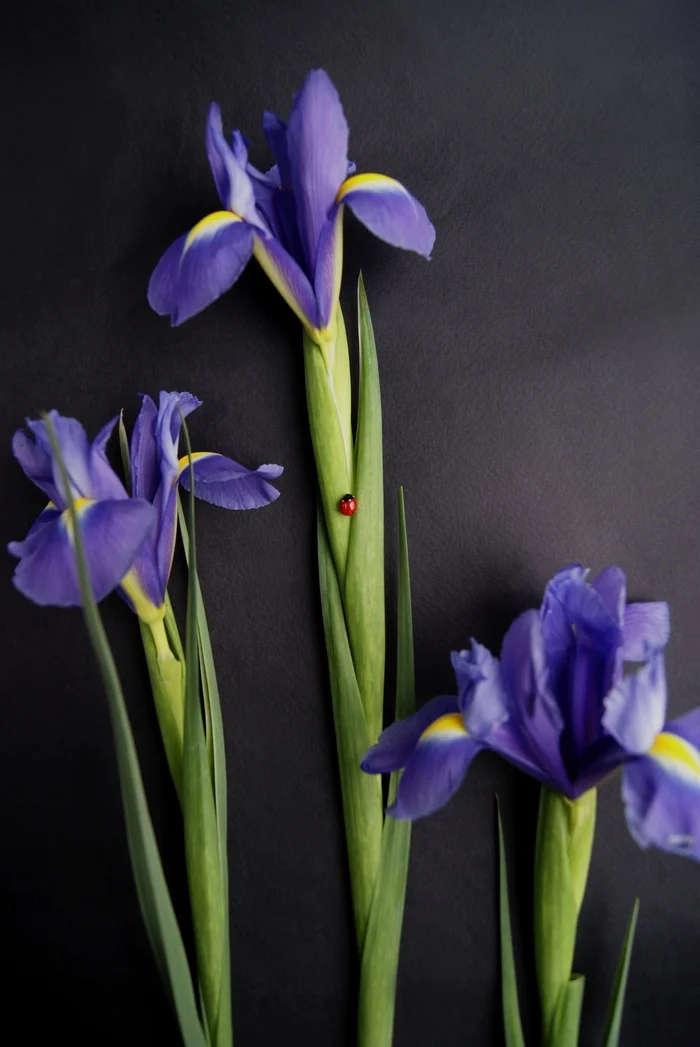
[(290, 219)]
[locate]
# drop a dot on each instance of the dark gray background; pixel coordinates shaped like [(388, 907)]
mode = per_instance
[(540, 381)]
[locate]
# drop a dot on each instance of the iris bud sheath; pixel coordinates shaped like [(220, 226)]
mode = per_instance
[(565, 831)]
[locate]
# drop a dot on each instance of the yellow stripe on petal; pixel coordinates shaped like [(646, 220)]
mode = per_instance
[(80, 505), (210, 226), (371, 182), (677, 756), (445, 729)]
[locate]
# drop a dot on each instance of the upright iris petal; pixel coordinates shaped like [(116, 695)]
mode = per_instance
[(290, 218), (113, 526)]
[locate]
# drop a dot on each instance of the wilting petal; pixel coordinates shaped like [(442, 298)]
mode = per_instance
[(661, 794), (317, 144), (223, 482), (482, 696), (112, 533), (145, 465), (436, 769), (104, 481), (35, 462), (389, 211), (539, 720), (200, 266), (646, 626), (397, 742), (289, 279), (228, 166), (635, 710)]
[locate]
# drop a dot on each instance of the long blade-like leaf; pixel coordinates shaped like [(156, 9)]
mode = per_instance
[(512, 1026), (363, 595), (207, 893), (567, 1015), (124, 451), (617, 999), (217, 750), (361, 793), (152, 889), (380, 956)]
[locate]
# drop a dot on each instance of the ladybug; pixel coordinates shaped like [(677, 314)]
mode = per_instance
[(348, 505)]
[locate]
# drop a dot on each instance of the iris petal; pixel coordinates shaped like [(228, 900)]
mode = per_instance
[(661, 794), (145, 467), (635, 710), (35, 461), (389, 211), (104, 481), (200, 266), (112, 533), (317, 144), (436, 769), (289, 279), (228, 167), (539, 720), (646, 625), (75, 451), (223, 482), (397, 742), (482, 696)]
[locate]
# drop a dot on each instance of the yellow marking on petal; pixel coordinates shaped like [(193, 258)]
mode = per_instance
[(80, 505), (368, 181), (677, 756), (209, 226), (446, 727), (147, 611), (196, 456)]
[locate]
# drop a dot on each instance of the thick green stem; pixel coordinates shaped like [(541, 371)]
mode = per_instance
[(166, 673), (328, 399), (565, 831)]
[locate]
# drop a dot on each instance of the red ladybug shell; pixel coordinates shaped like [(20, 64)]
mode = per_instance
[(348, 505)]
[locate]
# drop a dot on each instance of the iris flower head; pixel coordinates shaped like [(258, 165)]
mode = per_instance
[(129, 541), (289, 217), (578, 691)]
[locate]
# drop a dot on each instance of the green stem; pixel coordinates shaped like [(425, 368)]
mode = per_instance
[(565, 831)]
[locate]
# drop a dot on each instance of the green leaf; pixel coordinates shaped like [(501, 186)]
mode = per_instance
[(124, 449), (512, 1026), (152, 889), (361, 793), (565, 830), (567, 1014), (380, 956), (363, 596), (204, 865), (217, 753), (327, 371), (613, 1023)]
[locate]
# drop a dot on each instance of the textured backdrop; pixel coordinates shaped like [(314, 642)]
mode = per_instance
[(540, 380)]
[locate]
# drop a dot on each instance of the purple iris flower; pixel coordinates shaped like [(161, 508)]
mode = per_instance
[(129, 542), (290, 217), (578, 691), (157, 470), (113, 525)]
